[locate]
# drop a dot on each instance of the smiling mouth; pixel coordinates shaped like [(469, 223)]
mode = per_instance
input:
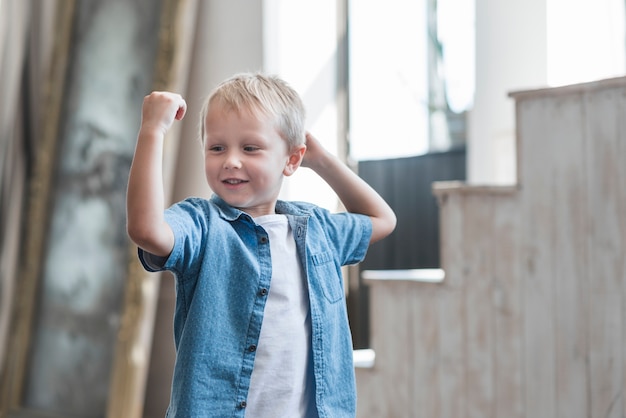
[(233, 181)]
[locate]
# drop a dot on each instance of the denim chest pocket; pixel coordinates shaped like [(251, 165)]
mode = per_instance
[(327, 276)]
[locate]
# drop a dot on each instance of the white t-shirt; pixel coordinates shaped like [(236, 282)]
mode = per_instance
[(282, 383)]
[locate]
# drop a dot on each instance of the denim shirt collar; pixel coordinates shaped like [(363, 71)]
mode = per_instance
[(230, 213)]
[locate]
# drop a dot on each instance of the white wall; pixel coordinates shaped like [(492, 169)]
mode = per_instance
[(585, 40)]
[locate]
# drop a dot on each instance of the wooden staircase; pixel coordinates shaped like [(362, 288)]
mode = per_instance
[(530, 320)]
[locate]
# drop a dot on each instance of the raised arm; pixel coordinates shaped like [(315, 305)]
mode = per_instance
[(355, 194), (145, 202)]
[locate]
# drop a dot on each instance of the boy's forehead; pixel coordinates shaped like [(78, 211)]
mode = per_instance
[(217, 106), (216, 114)]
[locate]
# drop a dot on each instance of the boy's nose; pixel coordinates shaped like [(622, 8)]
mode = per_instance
[(232, 160)]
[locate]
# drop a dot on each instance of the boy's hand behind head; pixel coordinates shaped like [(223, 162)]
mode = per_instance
[(315, 152), (160, 109)]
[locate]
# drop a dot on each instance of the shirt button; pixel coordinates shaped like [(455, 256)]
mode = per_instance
[(263, 240), (243, 404), (263, 292), (252, 348)]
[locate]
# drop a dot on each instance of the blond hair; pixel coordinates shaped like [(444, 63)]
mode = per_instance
[(263, 94)]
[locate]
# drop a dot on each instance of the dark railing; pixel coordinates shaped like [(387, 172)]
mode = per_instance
[(406, 184)]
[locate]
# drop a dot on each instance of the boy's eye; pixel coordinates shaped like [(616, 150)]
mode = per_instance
[(216, 148), (250, 148)]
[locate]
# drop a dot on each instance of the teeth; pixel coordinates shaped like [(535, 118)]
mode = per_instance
[(233, 181)]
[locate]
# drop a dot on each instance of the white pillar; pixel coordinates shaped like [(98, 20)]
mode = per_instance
[(510, 55)]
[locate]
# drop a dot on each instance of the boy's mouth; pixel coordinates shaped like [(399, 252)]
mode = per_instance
[(233, 181)]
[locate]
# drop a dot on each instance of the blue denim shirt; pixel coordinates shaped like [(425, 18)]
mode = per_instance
[(221, 260)]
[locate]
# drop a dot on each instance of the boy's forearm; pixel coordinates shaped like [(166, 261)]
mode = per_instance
[(356, 195), (145, 197)]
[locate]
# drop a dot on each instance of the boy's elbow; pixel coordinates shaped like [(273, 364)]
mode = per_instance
[(155, 240), (390, 223), (137, 234), (141, 234), (383, 226)]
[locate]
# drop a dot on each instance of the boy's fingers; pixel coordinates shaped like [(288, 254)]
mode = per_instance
[(182, 108)]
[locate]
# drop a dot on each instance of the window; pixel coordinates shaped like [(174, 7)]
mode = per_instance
[(411, 71)]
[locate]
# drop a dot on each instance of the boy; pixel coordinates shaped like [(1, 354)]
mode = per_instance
[(260, 325)]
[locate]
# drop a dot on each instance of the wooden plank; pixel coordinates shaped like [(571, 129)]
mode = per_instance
[(606, 251), (508, 314), (479, 320), (535, 159), (452, 351), (405, 337), (569, 252), (368, 403), (393, 340), (421, 299)]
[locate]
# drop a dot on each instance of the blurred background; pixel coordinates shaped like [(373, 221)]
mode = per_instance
[(407, 92)]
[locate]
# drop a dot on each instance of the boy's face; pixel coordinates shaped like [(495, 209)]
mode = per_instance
[(245, 159)]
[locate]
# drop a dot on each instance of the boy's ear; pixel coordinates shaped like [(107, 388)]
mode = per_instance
[(295, 159)]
